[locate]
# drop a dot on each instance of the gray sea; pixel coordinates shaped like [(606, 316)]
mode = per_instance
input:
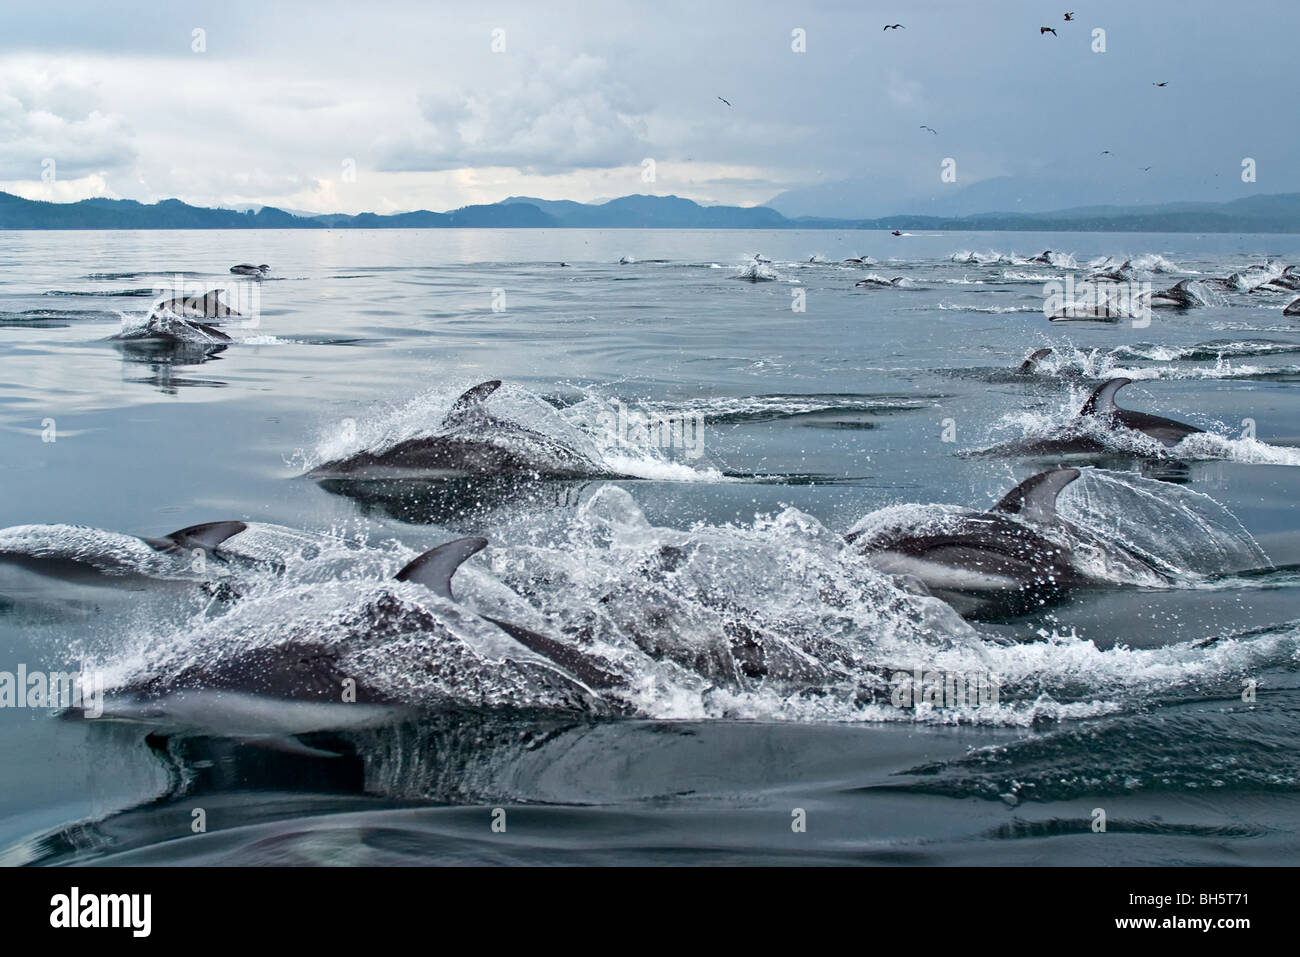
[(760, 408)]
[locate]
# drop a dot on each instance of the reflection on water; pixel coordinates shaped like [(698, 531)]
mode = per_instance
[(163, 359)]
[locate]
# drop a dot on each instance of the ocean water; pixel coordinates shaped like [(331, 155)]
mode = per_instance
[(1165, 707)]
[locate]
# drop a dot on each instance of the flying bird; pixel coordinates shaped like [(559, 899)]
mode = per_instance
[(728, 102), (1166, 83), (1105, 152), (894, 26), (1145, 168), (1042, 30), (931, 129), (1069, 17)]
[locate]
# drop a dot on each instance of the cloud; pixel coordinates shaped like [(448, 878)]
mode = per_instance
[(543, 117), (56, 115), (905, 93), (60, 190)]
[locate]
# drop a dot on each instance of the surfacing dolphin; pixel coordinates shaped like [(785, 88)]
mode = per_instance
[(994, 564), (179, 320), (1179, 296), (268, 694), (1101, 404), (1101, 407), (90, 556), (248, 269), (207, 306), (470, 441)]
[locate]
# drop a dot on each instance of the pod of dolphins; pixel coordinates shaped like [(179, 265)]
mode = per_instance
[(1012, 560)]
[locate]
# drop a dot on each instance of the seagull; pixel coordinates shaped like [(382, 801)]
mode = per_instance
[(1069, 17), (728, 102), (934, 131), (894, 26), (1042, 30), (1166, 83)]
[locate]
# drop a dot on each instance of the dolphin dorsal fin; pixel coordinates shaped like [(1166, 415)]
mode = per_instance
[(435, 567), (207, 536), (472, 397), (1027, 366), (1102, 400), (1034, 499)]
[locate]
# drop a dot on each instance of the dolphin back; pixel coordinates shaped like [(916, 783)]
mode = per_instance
[(207, 536)]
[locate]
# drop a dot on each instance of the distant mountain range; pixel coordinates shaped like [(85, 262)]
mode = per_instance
[(1256, 214)]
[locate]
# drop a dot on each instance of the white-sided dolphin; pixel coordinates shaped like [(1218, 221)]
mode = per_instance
[(1101, 407), (209, 305), (1178, 296), (470, 441), (1117, 274), (265, 694), (84, 556), (180, 320), (89, 556), (994, 564), (248, 269)]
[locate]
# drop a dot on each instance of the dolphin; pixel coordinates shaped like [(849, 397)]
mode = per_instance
[(94, 557), (164, 326), (991, 565), (177, 320), (248, 269), (207, 306), (470, 441), (1258, 277), (871, 282), (1288, 281), (91, 556), (1101, 406), (266, 695), (1293, 309), (1178, 296), (1045, 258), (1118, 274)]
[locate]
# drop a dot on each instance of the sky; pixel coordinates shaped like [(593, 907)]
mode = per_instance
[(393, 106)]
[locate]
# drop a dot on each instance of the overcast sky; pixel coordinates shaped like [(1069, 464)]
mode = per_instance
[(285, 95)]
